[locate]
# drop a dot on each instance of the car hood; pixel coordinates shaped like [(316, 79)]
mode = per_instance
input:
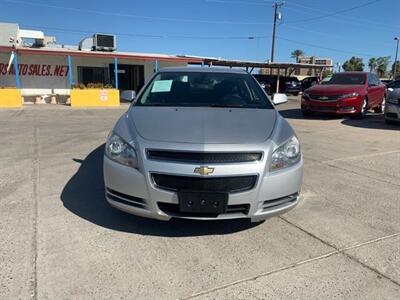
[(203, 125), (326, 89)]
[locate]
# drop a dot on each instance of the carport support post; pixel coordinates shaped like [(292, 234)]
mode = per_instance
[(116, 72), (16, 71), (70, 78), (277, 80), (156, 67)]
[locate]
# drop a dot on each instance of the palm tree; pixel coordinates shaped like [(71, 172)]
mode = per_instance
[(372, 64), (296, 54)]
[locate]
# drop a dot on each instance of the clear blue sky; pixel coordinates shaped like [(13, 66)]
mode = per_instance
[(219, 28)]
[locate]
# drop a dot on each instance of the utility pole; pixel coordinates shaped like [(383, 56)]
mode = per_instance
[(277, 6), (394, 72)]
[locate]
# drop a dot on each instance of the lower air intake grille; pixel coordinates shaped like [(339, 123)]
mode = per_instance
[(125, 199), (173, 209), (216, 184)]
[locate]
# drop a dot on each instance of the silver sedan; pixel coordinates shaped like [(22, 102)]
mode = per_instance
[(203, 143), (392, 109)]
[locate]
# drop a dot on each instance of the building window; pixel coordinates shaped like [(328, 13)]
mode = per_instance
[(93, 75)]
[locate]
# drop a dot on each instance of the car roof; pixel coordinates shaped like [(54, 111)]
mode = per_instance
[(203, 70)]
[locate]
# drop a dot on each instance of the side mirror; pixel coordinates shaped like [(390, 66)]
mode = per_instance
[(128, 95), (279, 99)]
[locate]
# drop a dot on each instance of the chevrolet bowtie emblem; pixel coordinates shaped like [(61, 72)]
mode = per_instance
[(204, 170)]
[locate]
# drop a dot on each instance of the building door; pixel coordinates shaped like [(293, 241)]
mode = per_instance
[(130, 77)]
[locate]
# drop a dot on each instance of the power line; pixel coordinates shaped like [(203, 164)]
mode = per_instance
[(325, 48), (335, 13), (241, 2), (249, 37), (340, 36), (352, 19), (124, 15), (142, 35)]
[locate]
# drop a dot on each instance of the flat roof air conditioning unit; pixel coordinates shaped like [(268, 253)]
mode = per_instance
[(104, 42), (86, 44)]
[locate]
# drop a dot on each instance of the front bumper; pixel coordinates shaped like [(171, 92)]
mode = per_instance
[(392, 112), (292, 89), (348, 106), (133, 191)]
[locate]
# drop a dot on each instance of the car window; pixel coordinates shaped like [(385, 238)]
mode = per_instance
[(373, 79), (343, 78), (204, 89), (378, 81), (394, 84)]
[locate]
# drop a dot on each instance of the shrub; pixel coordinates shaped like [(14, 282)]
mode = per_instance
[(93, 85)]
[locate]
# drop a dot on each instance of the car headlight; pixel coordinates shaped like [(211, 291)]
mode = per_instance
[(286, 155), (120, 151), (306, 95), (350, 95)]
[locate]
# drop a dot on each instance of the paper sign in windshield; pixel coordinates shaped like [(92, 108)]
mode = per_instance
[(160, 86)]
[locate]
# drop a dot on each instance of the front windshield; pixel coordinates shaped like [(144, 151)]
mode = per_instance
[(201, 89), (347, 79)]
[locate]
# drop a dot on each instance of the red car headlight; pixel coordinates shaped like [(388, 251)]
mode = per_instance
[(350, 95)]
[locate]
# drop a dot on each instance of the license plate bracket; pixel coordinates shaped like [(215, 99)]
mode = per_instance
[(202, 202)]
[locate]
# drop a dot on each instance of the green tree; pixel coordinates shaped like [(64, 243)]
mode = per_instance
[(296, 54), (327, 73), (354, 64), (382, 65), (372, 64)]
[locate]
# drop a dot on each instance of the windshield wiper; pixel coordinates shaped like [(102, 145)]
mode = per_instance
[(226, 105), (157, 104)]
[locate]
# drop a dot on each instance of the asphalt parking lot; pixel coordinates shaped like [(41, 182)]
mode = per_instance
[(60, 240)]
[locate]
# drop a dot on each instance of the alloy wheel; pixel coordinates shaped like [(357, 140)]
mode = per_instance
[(364, 108)]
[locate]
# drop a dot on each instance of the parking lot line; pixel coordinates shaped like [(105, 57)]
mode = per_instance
[(359, 156), (303, 262)]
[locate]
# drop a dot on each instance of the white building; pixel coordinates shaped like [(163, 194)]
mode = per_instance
[(43, 66)]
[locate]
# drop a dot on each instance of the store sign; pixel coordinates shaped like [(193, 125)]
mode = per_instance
[(35, 70)]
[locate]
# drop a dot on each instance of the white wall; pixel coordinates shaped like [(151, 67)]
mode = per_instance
[(49, 72), (36, 71)]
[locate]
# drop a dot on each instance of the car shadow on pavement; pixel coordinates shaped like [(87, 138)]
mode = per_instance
[(295, 113), (83, 195), (372, 121)]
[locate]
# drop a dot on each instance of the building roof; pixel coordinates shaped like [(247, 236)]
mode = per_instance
[(99, 54), (204, 70), (255, 64), (160, 57)]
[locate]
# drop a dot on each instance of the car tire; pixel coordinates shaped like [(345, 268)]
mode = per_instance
[(381, 109), (363, 109), (390, 122)]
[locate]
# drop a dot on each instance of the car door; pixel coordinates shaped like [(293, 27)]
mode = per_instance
[(381, 91), (373, 90), (393, 90)]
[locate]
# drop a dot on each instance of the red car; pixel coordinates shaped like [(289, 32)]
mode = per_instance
[(346, 93)]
